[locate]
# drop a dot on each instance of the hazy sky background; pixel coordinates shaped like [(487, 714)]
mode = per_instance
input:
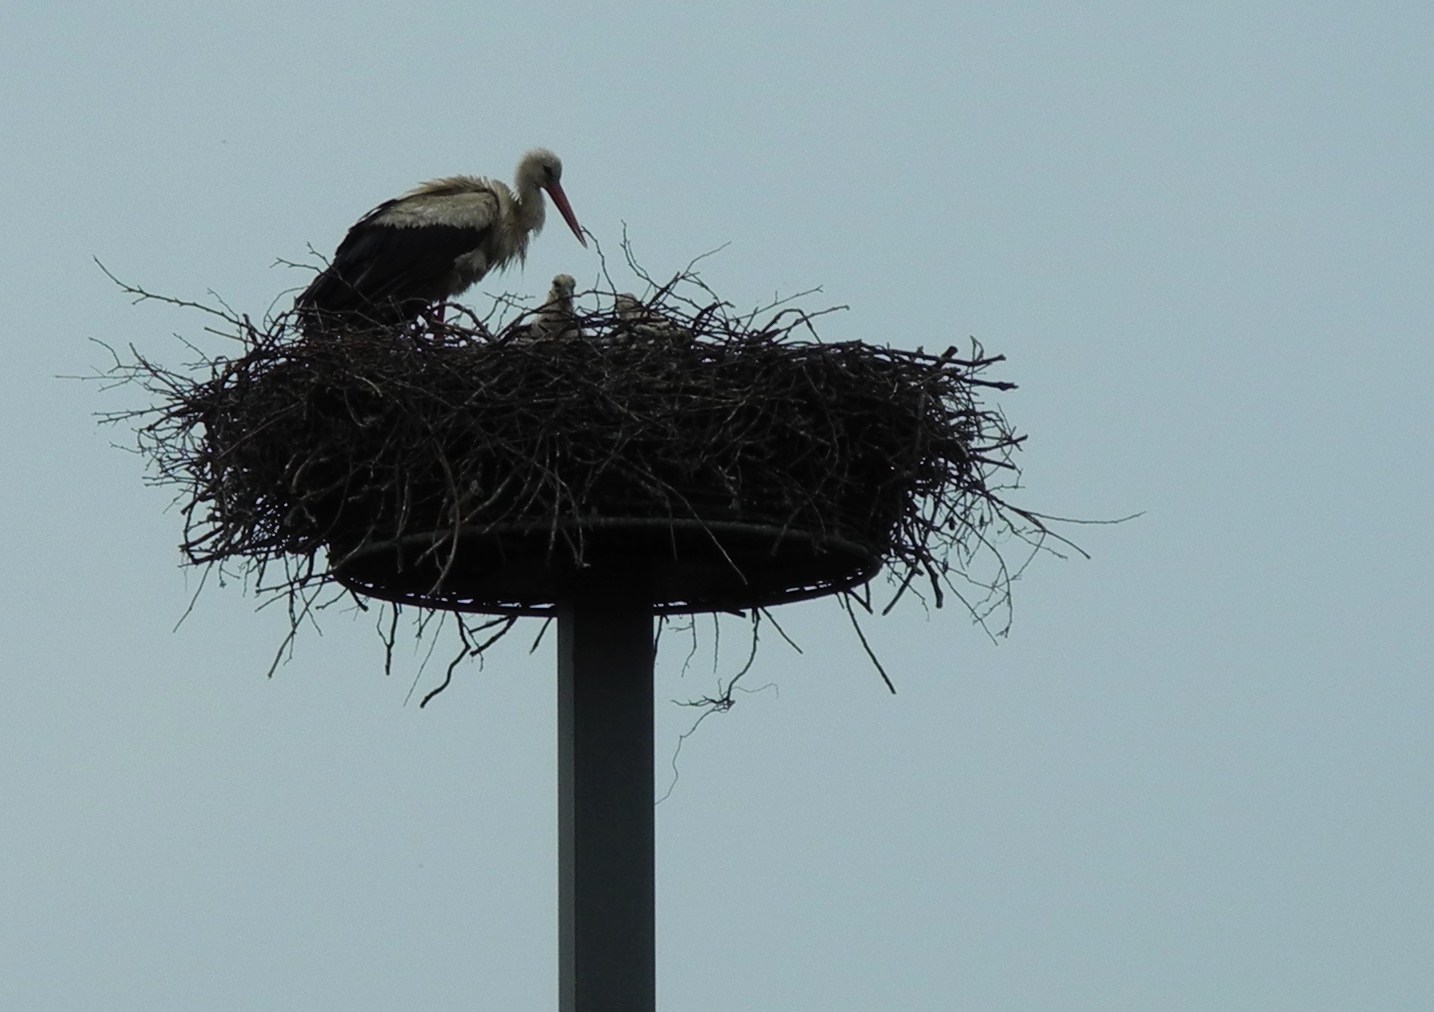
[(1198, 773)]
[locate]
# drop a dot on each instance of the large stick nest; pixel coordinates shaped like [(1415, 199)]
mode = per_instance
[(682, 417)]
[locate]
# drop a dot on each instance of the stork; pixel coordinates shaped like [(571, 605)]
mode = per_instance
[(555, 316), (432, 244), (642, 321)]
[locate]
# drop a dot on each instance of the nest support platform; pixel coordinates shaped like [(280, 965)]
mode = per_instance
[(525, 568)]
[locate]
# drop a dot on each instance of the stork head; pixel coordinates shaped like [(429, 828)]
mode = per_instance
[(563, 287), (540, 169)]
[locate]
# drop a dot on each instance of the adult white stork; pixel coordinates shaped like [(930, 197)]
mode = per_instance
[(431, 244)]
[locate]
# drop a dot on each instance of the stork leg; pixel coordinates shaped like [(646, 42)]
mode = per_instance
[(433, 317)]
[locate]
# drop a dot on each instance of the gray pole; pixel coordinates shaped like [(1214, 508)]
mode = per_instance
[(606, 903)]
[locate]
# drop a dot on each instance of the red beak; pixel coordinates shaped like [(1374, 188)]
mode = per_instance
[(566, 210)]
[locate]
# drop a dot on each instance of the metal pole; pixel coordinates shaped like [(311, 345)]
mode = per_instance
[(606, 899)]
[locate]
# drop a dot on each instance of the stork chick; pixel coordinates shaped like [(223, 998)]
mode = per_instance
[(555, 318), (642, 321)]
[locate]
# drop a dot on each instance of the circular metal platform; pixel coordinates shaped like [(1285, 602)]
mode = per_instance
[(525, 568)]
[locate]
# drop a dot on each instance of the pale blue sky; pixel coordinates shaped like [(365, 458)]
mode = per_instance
[(1197, 775)]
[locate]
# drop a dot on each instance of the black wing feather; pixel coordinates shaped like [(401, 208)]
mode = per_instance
[(386, 274)]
